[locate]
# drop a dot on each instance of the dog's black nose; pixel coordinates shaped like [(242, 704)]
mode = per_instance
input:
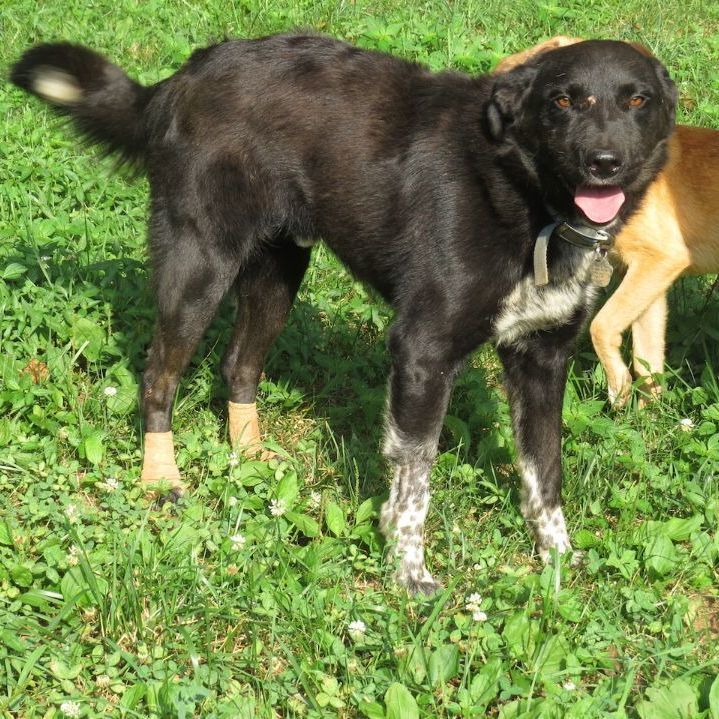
[(604, 163)]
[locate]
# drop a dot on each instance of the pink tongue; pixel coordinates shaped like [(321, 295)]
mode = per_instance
[(599, 204)]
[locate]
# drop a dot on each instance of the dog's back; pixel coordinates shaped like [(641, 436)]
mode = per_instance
[(694, 181)]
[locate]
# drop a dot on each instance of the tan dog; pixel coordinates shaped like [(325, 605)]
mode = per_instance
[(675, 232)]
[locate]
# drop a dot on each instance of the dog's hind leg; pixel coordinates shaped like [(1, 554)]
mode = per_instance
[(190, 280), (419, 389), (266, 289), (535, 377)]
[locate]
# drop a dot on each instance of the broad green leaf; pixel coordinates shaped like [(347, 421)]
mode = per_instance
[(133, 695), (60, 670), (677, 700), (714, 699), (413, 663), (365, 511), (517, 634), (287, 489), (335, 519), (444, 664), (88, 337), (459, 430), (13, 641), (21, 575), (13, 270), (74, 587), (679, 530), (551, 658), (34, 598), (5, 534), (124, 400), (372, 710), (93, 447), (485, 685), (584, 539), (306, 524), (400, 703), (660, 555)]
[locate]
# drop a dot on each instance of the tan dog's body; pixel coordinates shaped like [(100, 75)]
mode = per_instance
[(674, 232)]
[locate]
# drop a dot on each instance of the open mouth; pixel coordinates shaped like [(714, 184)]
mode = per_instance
[(599, 204)]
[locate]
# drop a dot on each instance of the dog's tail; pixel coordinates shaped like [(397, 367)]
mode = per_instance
[(105, 105)]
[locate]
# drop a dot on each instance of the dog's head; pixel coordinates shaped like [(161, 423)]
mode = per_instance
[(589, 123)]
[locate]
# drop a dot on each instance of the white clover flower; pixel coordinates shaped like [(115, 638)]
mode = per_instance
[(686, 425), (70, 709), (238, 541), (356, 629), (232, 501), (479, 616), (71, 513), (102, 681), (473, 602), (233, 460), (315, 500), (278, 507), (110, 391), (73, 556), (570, 686), (111, 484)]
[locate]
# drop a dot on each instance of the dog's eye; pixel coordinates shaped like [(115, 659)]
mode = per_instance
[(637, 101), (563, 102)]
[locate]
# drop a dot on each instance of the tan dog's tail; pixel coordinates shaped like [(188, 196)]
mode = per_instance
[(519, 58)]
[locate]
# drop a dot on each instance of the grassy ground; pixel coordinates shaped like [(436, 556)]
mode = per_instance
[(109, 607)]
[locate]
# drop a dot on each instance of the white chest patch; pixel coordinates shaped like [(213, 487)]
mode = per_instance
[(529, 308), (305, 241)]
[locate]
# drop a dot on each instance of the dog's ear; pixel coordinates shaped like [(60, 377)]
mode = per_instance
[(507, 98), (669, 98)]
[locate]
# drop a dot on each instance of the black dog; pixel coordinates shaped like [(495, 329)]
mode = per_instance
[(433, 188)]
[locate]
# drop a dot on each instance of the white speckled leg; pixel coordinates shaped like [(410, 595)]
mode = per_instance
[(402, 522), (546, 523)]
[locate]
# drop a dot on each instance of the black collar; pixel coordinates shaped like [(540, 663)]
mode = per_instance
[(586, 237)]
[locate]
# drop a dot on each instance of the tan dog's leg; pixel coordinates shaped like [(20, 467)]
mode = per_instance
[(244, 427), (245, 434), (648, 334), (639, 289), (158, 464)]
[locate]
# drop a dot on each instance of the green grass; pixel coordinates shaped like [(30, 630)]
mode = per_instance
[(125, 610)]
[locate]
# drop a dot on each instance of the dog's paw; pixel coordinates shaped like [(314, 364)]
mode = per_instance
[(421, 587), (172, 496), (417, 582), (573, 557), (619, 389), (161, 492)]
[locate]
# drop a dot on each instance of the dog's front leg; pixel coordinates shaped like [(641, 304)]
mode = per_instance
[(419, 390), (535, 376)]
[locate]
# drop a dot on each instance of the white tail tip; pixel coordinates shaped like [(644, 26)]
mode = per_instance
[(56, 86)]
